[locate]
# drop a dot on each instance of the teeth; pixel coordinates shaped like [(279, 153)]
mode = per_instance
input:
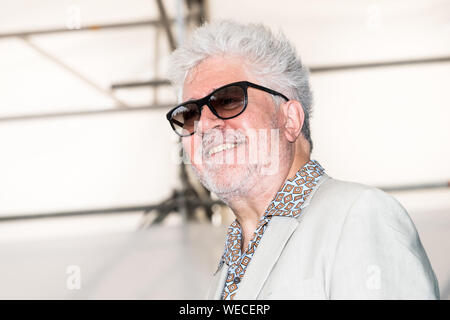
[(222, 147)]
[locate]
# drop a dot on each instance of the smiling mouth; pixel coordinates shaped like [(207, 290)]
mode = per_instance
[(222, 147)]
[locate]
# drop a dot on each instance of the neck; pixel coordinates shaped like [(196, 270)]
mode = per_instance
[(250, 207)]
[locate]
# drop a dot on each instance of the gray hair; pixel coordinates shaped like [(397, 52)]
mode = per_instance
[(271, 58)]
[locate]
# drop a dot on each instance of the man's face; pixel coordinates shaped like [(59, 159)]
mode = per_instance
[(229, 155)]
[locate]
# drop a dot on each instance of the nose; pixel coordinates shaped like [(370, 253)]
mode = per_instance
[(208, 121)]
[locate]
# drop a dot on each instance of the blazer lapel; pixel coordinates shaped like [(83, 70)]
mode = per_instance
[(217, 283), (269, 249), (266, 255)]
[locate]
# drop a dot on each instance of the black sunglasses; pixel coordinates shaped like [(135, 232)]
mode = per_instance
[(226, 102)]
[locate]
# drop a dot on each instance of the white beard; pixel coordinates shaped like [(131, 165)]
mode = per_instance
[(234, 185), (233, 180)]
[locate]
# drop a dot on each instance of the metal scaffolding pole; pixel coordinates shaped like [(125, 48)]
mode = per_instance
[(188, 199), (381, 64), (171, 204), (347, 67), (79, 113), (166, 24), (96, 27), (152, 83), (74, 72), (166, 206)]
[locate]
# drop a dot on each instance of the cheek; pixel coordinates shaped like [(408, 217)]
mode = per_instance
[(258, 122), (188, 146), (248, 121), (259, 117), (192, 146)]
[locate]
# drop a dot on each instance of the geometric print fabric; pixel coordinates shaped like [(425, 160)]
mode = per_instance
[(287, 203)]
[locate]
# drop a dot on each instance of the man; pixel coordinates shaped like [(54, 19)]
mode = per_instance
[(298, 233)]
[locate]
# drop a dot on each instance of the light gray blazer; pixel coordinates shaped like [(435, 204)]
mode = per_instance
[(351, 242)]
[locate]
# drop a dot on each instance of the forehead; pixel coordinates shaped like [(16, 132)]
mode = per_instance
[(211, 74)]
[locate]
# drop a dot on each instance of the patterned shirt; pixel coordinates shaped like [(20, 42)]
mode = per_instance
[(288, 203)]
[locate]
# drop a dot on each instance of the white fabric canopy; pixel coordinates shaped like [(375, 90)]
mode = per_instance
[(381, 126)]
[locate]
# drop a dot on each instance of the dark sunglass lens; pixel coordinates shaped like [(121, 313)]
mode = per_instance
[(228, 101), (184, 118)]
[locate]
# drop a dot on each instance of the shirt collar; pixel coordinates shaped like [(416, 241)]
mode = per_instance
[(292, 195), (287, 202)]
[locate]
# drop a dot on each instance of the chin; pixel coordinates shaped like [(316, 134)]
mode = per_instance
[(227, 179)]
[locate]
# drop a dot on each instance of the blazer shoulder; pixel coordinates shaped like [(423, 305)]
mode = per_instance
[(347, 193), (352, 206), (338, 194), (335, 200), (376, 230), (363, 197), (332, 185)]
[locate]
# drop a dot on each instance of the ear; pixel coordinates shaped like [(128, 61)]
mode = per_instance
[(294, 116)]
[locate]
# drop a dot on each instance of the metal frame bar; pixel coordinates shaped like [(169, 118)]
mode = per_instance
[(172, 204), (73, 72), (411, 187), (165, 207), (162, 82), (394, 63), (152, 83), (94, 27), (187, 198), (166, 24), (50, 115), (335, 68)]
